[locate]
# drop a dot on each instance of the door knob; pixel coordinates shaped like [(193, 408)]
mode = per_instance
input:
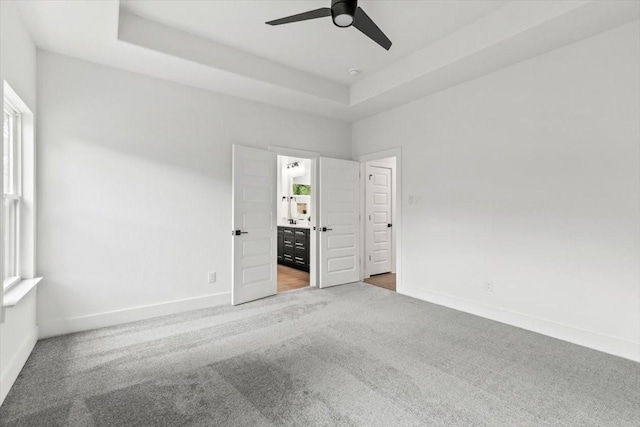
[(326, 229), (389, 225), (238, 232)]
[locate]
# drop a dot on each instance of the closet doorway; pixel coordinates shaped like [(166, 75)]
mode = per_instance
[(380, 225)]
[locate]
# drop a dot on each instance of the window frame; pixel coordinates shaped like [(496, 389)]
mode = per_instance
[(13, 194)]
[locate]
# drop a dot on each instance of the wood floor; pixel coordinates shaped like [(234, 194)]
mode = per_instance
[(290, 279), (386, 280)]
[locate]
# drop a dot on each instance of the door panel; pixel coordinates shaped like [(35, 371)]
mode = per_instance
[(378, 237), (339, 214), (254, 214)]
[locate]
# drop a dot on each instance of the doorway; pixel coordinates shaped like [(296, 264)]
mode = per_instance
[(295, 208), (320, 237), (380, 204)]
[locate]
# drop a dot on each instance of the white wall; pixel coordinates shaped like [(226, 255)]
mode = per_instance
[(18, 330), (529, 179), (135, 189)]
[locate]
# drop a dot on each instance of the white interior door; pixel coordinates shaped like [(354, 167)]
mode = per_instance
[(254, 224), (339, 222), (378, 220)]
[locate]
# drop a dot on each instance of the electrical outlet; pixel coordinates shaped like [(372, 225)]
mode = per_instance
[(211, 277), (489, 287)]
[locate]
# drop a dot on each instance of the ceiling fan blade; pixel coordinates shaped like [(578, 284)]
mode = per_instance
[(369, 28), (304, 16)]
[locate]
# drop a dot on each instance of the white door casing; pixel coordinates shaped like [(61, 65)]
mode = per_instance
[(254, 254), (378, 220), (339, 215)]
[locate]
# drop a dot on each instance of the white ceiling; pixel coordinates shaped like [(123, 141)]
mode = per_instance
[(225, 46), (317, 46)]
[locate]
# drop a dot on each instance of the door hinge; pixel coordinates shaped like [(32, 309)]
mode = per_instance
[(369, 257)]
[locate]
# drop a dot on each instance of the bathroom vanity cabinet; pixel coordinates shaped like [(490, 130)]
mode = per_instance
[(293, 247)]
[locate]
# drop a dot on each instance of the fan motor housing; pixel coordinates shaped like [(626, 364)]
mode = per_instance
[(343, 7)]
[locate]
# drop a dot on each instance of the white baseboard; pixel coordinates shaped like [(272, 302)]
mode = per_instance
[(605, 343), (12, 370), (117, 317)]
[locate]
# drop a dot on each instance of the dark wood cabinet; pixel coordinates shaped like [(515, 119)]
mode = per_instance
[(280, 244), (293, 247)]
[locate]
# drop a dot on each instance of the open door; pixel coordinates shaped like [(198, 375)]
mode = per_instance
[(254, 224), (378, 220), (339, 222)]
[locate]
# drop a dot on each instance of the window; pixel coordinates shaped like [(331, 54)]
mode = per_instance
[(12, 199)]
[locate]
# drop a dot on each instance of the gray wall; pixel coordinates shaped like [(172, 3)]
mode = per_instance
[(135, 189), (530, 180), (18, 332)]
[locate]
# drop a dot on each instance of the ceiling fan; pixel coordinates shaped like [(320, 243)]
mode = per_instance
[(344, 13)]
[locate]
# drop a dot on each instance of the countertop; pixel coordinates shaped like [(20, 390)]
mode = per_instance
[(308, 227)]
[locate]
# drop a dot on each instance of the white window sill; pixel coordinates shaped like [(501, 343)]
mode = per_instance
[(15, 293), (9, 282)]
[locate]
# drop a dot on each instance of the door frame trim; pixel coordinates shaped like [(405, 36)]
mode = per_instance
[(314, 156), (397, 224)]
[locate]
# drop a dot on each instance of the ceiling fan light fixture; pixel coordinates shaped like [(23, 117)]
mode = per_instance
[(343, 20), (343, 12)]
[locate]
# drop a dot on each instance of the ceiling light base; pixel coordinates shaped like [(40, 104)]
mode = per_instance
[(343, 12)]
